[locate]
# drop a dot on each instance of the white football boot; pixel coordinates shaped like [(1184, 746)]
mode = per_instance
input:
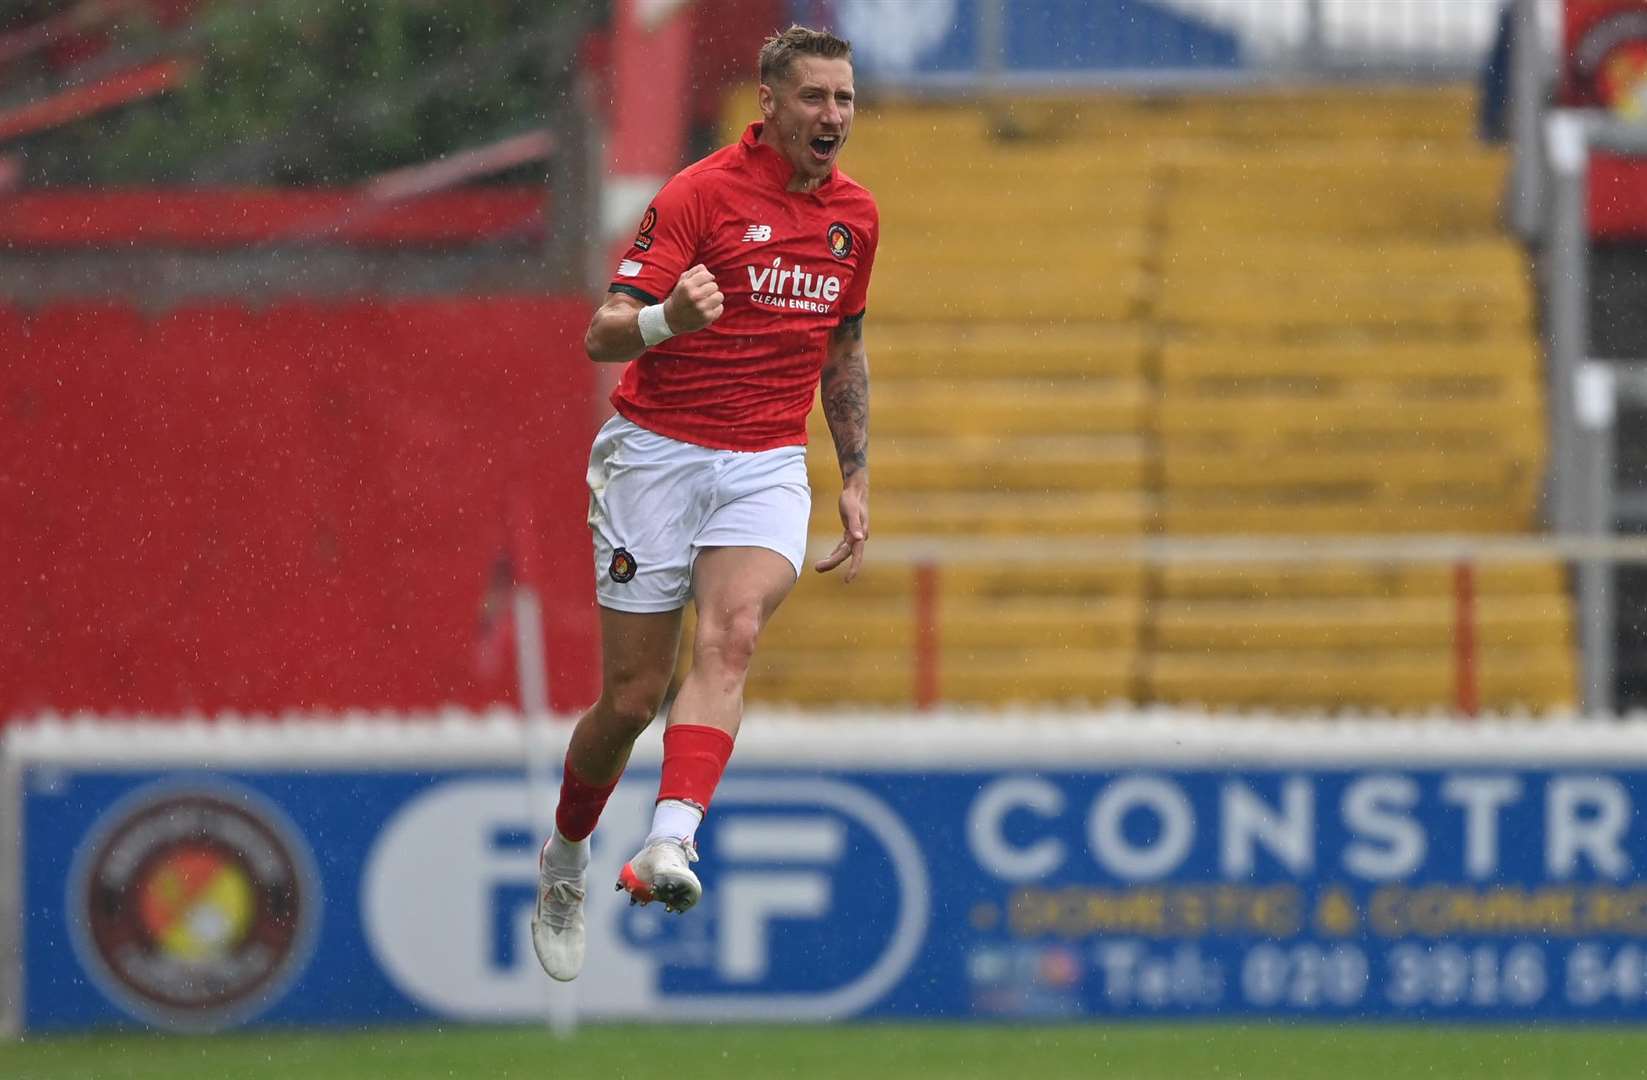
[(557, 928), (662, 871)]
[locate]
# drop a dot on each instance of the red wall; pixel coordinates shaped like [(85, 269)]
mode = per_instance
[(296, 507)]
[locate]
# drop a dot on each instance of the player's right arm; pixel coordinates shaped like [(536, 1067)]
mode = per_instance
[(661, 288), (614, 334)]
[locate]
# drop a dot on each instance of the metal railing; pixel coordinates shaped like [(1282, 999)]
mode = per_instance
[(1443, 36), (1593, 556), (1584, 392)]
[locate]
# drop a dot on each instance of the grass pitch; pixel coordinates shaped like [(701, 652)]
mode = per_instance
[(855, 1052)]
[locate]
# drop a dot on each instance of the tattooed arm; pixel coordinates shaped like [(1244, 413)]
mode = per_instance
[(845, 392)]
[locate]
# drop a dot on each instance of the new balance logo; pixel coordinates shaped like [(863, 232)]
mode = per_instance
[(758, 234)]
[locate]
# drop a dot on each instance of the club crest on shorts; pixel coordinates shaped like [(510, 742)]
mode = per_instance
[(623, 566), (649, 221), (840, 240)]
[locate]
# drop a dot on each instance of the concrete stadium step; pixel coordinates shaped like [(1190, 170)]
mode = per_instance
[(1178, 516), (1351, 580), (970, 677), (1039, 161), (1345, 414), (1004, 514), (1016, 194), (1371, 624), (1050, 161), (1034, 622), (1377, 116), (1326, 364), (950, 222), (971, 583), (1336, 116), (1072, 463), (1351, 216), (914, 407), (1066, 174), (1510, 679), (958, 350), (1461, 502), (1258, 447), (1497, 471), (1437, 390), (1427, 197), (1381, 172), (1519, 441), (1113, 292), (905, 138), (1279, 300), (1398, 258), (988, 249), (1259, 479)]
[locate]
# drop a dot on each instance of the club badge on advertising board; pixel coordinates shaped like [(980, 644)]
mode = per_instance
[(1604, 56)]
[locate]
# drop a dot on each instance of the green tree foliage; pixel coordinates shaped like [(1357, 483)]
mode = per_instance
[(318, 92)]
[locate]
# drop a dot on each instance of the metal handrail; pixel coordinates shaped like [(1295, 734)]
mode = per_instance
[(1158, 550)]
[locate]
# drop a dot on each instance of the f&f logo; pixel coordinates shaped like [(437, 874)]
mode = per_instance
[(754, 897), (795, 870), (816, 904)]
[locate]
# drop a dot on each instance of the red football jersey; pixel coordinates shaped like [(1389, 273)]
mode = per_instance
[(792, 266)]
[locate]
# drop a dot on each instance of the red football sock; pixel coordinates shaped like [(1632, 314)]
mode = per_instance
[(580, 804), (694, 756)]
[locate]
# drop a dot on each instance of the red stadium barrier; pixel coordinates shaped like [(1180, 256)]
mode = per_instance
[(218, 219), (21, 543), (1603, 65), (82, 102), (1618, 198), (303, 507)]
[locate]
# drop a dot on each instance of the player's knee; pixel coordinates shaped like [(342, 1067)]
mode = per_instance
[(631, 705), (728, 641)]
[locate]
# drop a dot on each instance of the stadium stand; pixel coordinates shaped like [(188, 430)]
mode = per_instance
[(1272, 313)]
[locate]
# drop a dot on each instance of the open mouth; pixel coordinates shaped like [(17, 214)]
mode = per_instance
[(824, 146)]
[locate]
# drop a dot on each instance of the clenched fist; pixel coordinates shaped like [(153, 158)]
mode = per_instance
[(695, 302)]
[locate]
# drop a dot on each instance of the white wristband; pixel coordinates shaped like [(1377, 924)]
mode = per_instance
[(653, 326)]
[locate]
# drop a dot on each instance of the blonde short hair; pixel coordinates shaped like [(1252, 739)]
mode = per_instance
[(779, 51)]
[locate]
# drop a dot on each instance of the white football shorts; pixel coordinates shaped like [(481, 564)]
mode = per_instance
[(655, 502)]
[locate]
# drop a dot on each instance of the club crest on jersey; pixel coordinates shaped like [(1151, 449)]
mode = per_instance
[(649, 221), (623, 566), (840, 240)]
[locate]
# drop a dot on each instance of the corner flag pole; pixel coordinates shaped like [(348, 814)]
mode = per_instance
[(532, 673)]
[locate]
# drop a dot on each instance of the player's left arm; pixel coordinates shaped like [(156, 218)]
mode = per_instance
[(844, 389)]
